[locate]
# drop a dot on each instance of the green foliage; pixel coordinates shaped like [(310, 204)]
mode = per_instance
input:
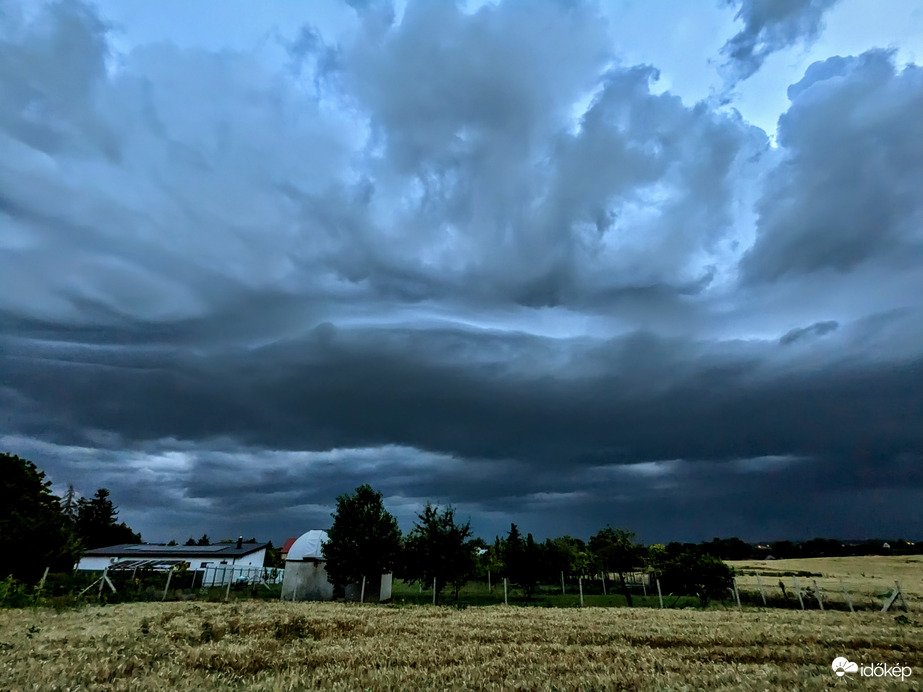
[(34, 532), (14, 594), (697, 573), (438, 548), (96, 523), (657, 557), (521, 558), (563, 554), (615, 551), (364, 540)]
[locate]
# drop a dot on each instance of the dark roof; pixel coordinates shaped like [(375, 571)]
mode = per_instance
[(139, 550)]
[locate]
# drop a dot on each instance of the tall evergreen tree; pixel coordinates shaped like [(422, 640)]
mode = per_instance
[(97, 525), (69, 506), (34, 533), (520, 560)]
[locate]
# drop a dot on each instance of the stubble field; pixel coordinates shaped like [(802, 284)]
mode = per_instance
[(867, 579), (294, 646)]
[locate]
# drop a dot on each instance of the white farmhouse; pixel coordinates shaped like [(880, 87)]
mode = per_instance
[(218, 564)]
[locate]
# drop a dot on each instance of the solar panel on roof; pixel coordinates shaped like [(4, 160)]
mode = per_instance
[(178, 549)]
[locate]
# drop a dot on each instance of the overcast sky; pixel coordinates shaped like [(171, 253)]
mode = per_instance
[(653, 264)]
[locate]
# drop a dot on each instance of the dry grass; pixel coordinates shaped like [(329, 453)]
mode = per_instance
[(285, 646), (868, 579)]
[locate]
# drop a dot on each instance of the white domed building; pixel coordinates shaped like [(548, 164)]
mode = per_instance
[(305, 578)]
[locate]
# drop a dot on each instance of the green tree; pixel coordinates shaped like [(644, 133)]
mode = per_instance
[(205, 540), (562, 554), (695, 573), (615, 551), (438, 549), (364, 540), (520, 558), (34, 532), (97, 525), (657, 557)]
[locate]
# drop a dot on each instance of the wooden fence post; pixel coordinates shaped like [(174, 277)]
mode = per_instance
[(759, 583), (505, 600), (846, 594), (362, 592), (736, 594), (798, 592), (894, 596), (604, 583), (644, 586), (167, 587), (900, 595), (580, 582), (434, 590), (41, 584), (490, 588), (817, 595), (563, 592), (659, 593), (227, 591)]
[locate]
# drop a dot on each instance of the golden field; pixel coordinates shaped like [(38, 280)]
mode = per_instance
[(868, 579), (293, 646)]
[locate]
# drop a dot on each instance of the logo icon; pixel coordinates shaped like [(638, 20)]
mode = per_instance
[(841, 666)]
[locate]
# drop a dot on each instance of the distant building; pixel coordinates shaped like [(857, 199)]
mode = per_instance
[(283, 553), (218, 564)]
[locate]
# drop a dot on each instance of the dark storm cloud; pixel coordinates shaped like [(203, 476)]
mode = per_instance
[(816, 329), (410, 258), (848, 189), (770, 26), (623, 404)]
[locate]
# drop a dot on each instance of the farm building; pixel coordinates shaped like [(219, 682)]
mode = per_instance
[(283, 552), (217, 564), (306, 578)]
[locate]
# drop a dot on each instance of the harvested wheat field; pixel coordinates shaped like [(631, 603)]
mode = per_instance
[(868, 579), (285, 646)]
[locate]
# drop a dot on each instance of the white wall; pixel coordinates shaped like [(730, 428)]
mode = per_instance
[(95, 564), (306, 580), (252, 560)]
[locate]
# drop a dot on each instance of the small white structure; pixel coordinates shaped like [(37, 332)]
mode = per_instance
[(305, 576)]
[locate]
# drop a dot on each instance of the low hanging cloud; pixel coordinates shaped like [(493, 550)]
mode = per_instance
[(408, 257)]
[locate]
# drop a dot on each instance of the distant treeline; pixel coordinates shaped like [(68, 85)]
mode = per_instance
[(737, 549)]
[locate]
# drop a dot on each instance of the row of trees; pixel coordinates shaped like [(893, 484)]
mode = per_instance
[(39, 529), (365, 541)]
